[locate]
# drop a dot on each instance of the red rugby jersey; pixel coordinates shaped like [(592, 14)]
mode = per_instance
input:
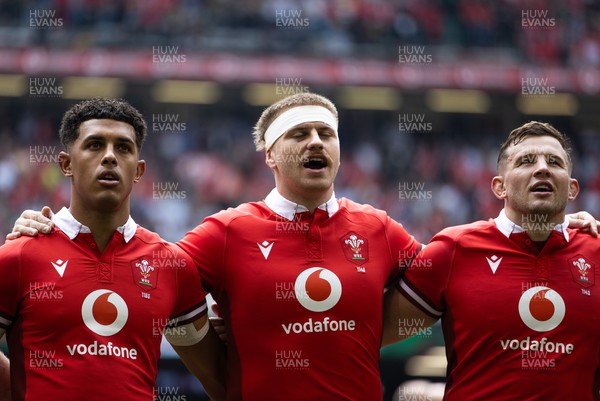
[(519, 324), (84, 325), (301, 294)]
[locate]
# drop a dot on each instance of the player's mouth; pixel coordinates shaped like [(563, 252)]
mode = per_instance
[(542, 188), (108, 178), (315, 162)]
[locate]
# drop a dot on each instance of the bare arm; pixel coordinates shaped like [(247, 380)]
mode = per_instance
[(399, 312), (31, 222), (4, 376), (206, 360)]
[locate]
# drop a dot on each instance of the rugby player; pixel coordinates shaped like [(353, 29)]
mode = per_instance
[(85, 307), (516, 294)]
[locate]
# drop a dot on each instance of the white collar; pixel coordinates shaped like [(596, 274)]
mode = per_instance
[(507, 227), (288, 209), (70, 226)]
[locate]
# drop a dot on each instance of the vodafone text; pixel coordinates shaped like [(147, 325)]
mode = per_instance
[(102, 350), (534, 345), (318, 326)]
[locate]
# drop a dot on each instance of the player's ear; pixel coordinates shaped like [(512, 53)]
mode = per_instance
[(140, 170), (269, 158), (64, 162), (573, 188), (498, 187)]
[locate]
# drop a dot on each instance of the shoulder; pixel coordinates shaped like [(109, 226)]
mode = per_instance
[(177, 252), (245, 210), (468, 231), (362, 211), (13, 251), (38, 242), (15, 247), (154, 240), (147, 236), (576, 236)]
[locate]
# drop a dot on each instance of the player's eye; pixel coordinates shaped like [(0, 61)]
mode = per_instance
[(528, 159), (551, 159), (298, 134), (124, 147)]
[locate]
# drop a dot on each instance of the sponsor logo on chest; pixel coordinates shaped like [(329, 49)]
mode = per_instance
[(541, 309), (318, 290)]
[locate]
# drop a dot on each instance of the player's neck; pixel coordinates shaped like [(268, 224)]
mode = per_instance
[(102, 224), (310, 200), (538, 226)]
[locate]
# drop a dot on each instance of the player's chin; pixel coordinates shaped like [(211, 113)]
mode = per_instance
[(321, 183), (108, 202), (548, 199), (546, 208)]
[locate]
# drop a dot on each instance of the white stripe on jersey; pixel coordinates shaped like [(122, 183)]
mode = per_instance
[(188, 336), (5, 322), (197, 311), (419, 300)]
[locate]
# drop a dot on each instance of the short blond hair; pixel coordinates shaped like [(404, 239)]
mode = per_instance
[(274, 110)]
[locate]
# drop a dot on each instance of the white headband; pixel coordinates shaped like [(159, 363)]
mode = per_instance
[(295, 116)]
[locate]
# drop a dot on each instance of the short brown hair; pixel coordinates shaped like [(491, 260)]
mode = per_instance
[(533, 128), (274, 110)]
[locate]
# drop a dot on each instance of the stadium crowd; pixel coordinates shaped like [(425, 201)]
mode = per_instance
[(541, 32)]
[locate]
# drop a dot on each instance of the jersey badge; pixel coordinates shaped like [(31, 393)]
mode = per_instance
[(356, 248), (145, 275), (265, 248), (494, 262), (583, 271), (60, 266)]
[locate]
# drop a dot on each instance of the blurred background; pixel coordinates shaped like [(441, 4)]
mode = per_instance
[(426, 91)]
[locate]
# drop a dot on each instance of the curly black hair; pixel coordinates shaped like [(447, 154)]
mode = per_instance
[(101, 108)]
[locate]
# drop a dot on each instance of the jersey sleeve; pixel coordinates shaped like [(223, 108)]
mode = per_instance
[(425, 280), (10, 272), (206, 246), (190, 303), (404, 248)]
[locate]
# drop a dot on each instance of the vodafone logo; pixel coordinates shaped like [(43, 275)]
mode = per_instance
[(104, 312), (541, 308), (318, 289)]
